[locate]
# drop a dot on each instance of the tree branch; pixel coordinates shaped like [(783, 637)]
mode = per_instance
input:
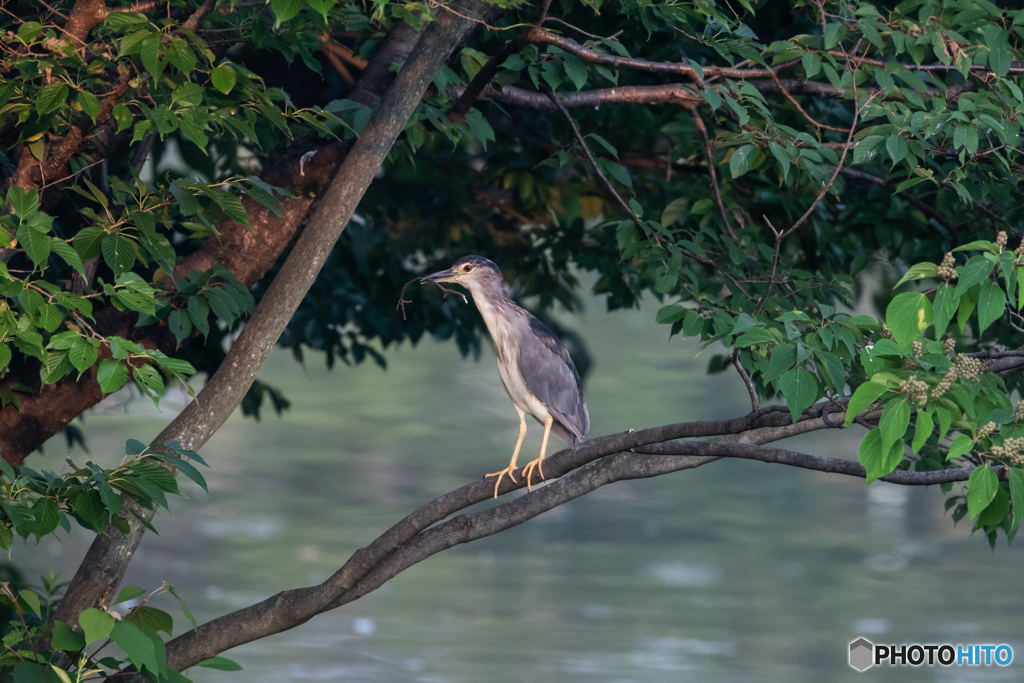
[(411, 541), (670, 93)]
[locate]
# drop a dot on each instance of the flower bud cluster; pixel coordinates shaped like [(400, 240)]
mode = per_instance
[(946, 271), (987, 430), (1018, 411), (967, 367), (1001, 238), (1010, 451), (949, 345), (916, 389), (1019, 251), (917, 348)]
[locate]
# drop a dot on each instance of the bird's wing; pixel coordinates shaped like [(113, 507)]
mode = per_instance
[(550, 375)]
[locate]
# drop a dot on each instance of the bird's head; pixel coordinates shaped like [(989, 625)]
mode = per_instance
[(475, 273)]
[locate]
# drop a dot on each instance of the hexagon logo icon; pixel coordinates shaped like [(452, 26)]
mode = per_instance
[(861, 654)]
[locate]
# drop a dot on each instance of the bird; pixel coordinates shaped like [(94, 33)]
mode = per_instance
[(535, 368)]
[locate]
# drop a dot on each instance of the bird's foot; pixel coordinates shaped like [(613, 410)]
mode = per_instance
[(510, 471), (537, 464)]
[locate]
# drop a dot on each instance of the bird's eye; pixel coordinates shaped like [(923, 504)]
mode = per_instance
[(467, 268)]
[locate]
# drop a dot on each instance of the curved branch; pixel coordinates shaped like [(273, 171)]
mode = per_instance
[(403, 550)]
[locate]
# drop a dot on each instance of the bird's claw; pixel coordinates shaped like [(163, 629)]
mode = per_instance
[(510, 471), (528, 471)]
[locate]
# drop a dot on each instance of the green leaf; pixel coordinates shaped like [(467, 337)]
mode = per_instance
[(66, 639), (960, 445), (82, 355), (755, 335), (944, 307), (47, 516), (51, 97), (976, 270), (741, 159), (867, 148), (180, 325), (666, 314), (30, 599), (150, 53), (219, 663), (141, 649), (118, 252), (223, 77), (991, 304), (878, 463), (834, 34), (674, 211), (922, 430), (783, 357), (112, 375), (800, 388), (88, 242), (90, 104), (575, 70), (981, 489), (188, 469), (128, 593), (894, 422), (151, 619), (919, 271), (907, 316), (1016, 476), (24, 202), (134, 447), (36, 244), (185, 610), (977, 245), (866, 394), (897, 148), (68, 254), (96, 624)]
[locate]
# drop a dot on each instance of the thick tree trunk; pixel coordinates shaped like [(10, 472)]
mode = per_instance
[(104, 564)]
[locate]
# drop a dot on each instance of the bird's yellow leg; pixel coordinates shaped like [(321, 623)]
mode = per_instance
[(510, 470), (539, 462)]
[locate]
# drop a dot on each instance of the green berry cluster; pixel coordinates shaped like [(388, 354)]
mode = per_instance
[(1010, 451), (916, 389), (946, 271)]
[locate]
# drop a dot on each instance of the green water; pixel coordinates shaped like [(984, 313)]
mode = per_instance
[(736, 571)]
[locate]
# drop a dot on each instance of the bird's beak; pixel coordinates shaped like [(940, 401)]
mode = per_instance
[(440, 276)]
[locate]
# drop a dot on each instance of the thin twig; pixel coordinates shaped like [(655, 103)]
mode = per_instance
[(755, 402), (590, 157), (710, 153)]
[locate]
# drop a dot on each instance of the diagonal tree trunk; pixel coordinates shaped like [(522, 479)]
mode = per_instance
[(101, 570)]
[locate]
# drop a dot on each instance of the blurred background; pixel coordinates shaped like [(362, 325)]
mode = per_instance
[(735, 571)]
